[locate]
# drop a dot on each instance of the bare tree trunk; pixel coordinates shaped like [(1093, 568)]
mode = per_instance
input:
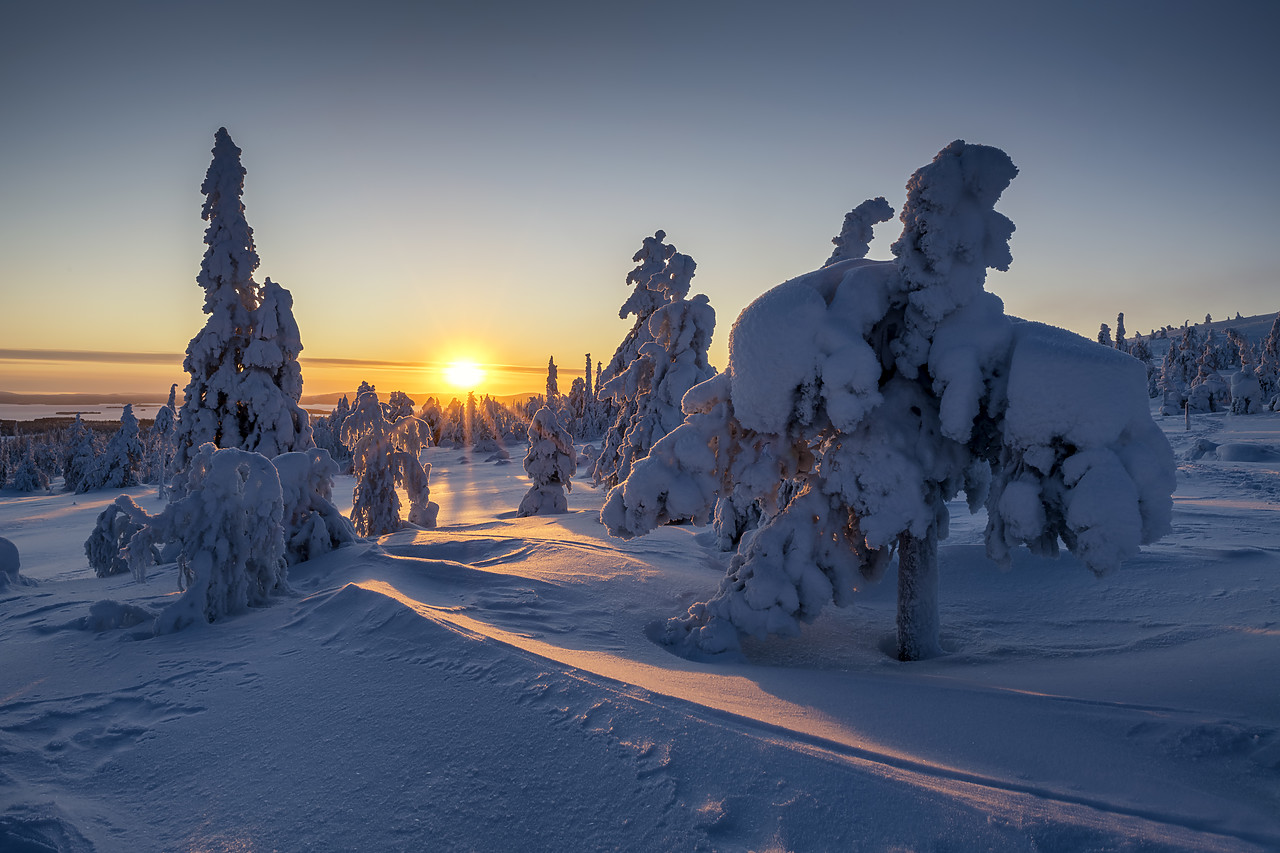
[(918, 596)]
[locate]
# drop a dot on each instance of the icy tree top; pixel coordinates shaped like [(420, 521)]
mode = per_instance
[(854, 239), (661, 275), (230, 256)]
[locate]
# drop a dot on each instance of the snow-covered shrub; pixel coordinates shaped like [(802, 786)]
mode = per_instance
[(116, 467), (109, 615), (670, 358), (383, 456), (882, 390), (10, 563), (313, 526), (1246, 393), (550, 464), (229, 526), (111, 533), (245, 379)]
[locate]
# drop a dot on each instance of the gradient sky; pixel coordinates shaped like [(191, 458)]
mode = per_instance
[(440, 181)]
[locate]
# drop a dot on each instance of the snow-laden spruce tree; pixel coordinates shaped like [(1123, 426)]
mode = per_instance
[(399, 405), (1121, 344), (384, 456), (1269, 366), (116, 467), (550, 464), (160, 453), (78, 455), (883, 388), (313, 526), (245, 379), (670, 358), (229, 528), (28, 476)]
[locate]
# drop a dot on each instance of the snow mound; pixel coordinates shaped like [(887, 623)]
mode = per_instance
[(1232, 451), (366, 614), (108, 615), (9, 564)]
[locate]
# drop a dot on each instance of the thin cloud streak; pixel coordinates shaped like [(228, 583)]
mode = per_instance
[(122, 357)]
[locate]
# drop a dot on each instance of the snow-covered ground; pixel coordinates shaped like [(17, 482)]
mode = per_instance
[(488, 685)]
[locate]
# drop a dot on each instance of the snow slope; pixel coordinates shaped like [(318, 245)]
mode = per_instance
[(488, 686)]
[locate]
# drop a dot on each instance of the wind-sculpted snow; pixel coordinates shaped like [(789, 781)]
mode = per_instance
[(489, 685)]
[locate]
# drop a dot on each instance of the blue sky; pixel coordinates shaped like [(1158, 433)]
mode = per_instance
[(441, 181)]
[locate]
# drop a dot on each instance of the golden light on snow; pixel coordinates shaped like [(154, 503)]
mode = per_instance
[(464, 375)]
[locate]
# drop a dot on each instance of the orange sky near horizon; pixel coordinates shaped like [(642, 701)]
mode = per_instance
[(444, 182), (149, 375)]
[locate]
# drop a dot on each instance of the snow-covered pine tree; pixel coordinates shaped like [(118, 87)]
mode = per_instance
[(245, 379), (883, 389), (78, 455), (1269, 366), (163, 430), (1104, 336), (550, 464), (384, 456), (670, 359), (28, 476), (229, 529), (399, 405), (116, 467), (553, 383), (1120, 341)]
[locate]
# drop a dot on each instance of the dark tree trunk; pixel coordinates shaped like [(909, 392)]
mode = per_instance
[(918, 596)]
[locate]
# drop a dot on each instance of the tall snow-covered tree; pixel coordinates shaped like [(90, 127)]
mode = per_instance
[(883, 389), (670, 358), (116, 467), (384, 456), (553, 384), (163, 429), (1120, 341), (78, 455), (550, 464), (245, 380), (1269, 364)]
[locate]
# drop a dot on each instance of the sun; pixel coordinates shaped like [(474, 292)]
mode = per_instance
[(464, 375)]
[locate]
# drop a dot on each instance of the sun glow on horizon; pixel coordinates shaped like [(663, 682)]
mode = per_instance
[(464, 375)]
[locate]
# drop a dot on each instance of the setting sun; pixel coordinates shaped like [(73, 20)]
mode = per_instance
[(464, 375)]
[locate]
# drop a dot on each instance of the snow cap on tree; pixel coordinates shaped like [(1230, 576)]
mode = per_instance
[(854, 239), (553, 386)]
